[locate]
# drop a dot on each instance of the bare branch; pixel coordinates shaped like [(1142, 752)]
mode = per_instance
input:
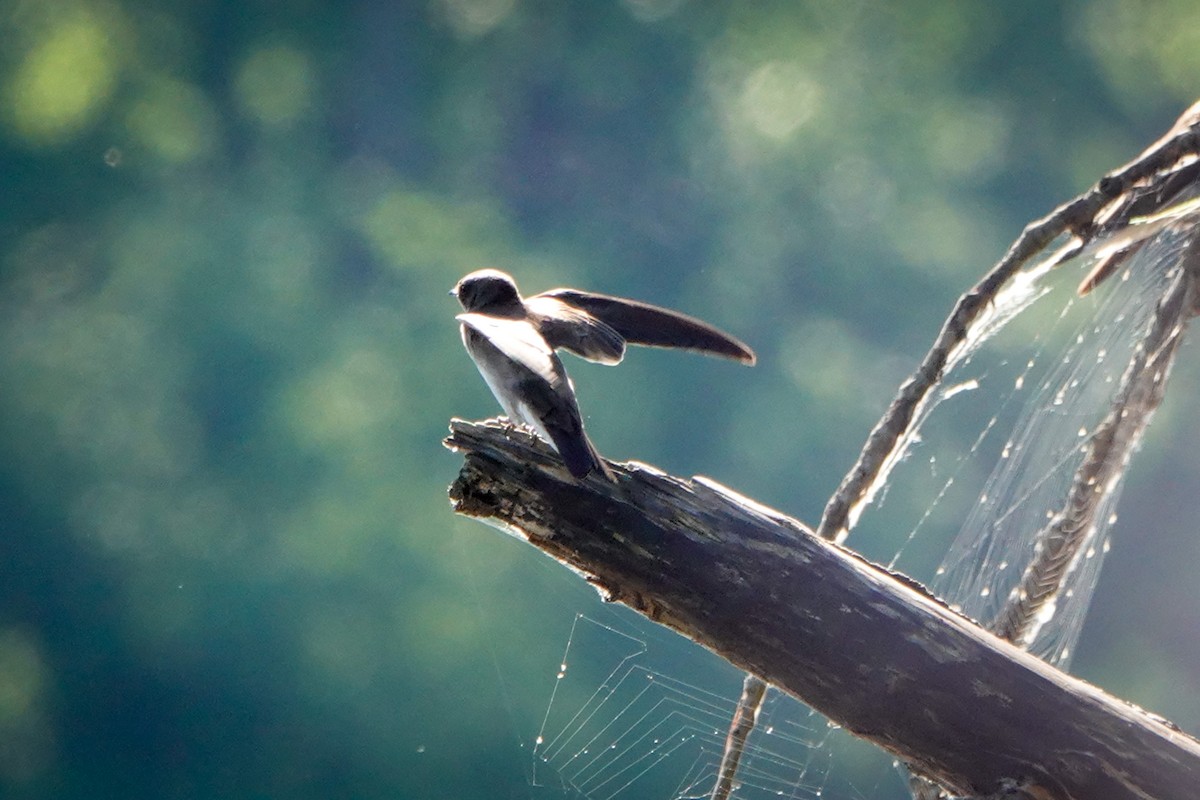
[(1077, 217), (1108, 453), (745, 717), (859, 644)]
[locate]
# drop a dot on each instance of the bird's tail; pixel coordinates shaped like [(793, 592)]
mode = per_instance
[(581, 457)]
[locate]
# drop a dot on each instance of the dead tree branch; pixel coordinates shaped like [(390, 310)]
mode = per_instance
[(863, 646)]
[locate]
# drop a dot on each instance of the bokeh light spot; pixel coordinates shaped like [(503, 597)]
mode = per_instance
[(835, 375), (473, 18), (275, 84), (26, 744), (968, 140), (341, 403), (1138, 44), (652, 10), (778, 98), (413, 229), (20, 675), (64, 80), (939, 235), (175, 121)]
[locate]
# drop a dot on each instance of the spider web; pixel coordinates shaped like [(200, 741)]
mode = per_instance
[(616, 726), (1055, 379)]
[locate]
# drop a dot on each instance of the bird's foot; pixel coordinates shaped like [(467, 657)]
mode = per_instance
[(514, 426)]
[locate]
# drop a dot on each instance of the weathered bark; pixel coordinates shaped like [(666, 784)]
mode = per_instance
[(867, 648)]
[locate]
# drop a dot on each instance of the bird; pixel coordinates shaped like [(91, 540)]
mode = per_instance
[(513, 341)]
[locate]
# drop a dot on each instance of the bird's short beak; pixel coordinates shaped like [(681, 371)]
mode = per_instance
[(451, 293)]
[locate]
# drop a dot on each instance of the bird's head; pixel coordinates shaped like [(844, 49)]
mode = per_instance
[(487, 290)]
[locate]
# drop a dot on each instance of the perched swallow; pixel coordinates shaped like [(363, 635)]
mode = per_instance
[(513, 341)]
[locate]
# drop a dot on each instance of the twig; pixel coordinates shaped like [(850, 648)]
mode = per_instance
[(1109, 451), (745, 717), (1076, 217)]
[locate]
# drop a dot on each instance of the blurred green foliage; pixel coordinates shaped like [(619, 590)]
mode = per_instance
[(227, 566)]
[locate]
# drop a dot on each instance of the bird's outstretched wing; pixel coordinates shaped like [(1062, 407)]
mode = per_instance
[(572, 328), (649, 325)]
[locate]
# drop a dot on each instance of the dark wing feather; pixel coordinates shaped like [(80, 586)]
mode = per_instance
[(572, 328), (653, 326)]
